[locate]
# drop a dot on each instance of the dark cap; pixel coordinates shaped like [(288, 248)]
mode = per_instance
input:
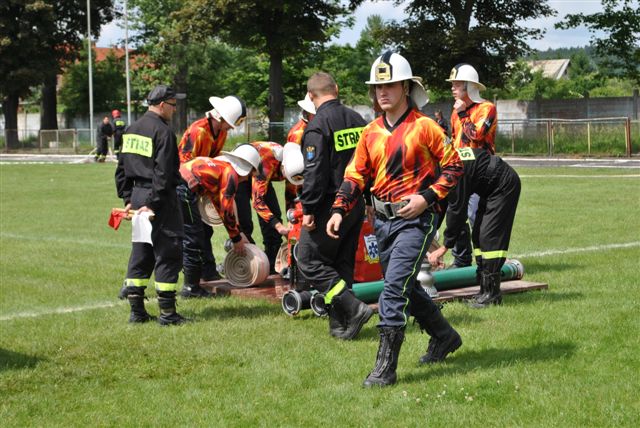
[(162, 93)]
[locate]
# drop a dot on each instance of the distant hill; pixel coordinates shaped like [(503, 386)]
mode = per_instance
[(561, 53)]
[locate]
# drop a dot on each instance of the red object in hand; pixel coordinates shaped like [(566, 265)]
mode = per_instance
[(116, 218)]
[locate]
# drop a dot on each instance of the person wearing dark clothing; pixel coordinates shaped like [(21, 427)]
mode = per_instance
[(104, 133), (119, 126), (328, 143), (440, 121), (146, 178), (399, 153), (498, 187)]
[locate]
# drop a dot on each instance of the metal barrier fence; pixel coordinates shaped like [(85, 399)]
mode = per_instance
[(617, 137)]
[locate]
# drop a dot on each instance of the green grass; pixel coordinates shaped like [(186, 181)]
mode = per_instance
[(566, 357)]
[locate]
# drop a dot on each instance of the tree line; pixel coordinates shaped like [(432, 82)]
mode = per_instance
[(264, 51)]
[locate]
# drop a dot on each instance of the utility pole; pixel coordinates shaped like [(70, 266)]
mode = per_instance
[(90, 73)]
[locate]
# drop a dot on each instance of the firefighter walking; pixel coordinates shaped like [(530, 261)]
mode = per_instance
[(399, 153), (327, 264), (119, 126)]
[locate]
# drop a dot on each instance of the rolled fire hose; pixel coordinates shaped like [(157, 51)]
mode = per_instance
[(369, 292), (282, 258), (245, 271), (208, 212)]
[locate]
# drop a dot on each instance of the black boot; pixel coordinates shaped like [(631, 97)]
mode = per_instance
[(384, 373), (272, 253), (139, 314), (168, 314), (492, 294), (337, 321), (356, 313), (444, 339), (195, 292)]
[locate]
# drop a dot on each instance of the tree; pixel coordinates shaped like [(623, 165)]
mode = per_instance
[(278, 29), (69, 29), (35, 36), (619, 48), (485, 33), (108, 85)]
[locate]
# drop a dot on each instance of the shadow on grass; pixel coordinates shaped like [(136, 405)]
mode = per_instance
[(10, 360), (537, 296), (466, 361), (244, 311), (534, 266)]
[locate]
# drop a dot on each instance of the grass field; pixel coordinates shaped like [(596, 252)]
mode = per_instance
[(566, 357)]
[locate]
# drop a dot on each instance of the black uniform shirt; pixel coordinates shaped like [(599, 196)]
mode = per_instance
[(149, 154), (105, 130), (118, 126), (328, 143), (482, 172)]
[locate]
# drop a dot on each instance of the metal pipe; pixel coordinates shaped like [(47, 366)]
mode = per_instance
[(295, 301)]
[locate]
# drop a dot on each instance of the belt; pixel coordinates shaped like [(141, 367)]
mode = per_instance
[(387, 210), (142, 182)]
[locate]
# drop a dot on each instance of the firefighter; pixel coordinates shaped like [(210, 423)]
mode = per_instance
[(146, 179), (265, 201), (307, 113), (498, 187), (328, 143), (399, 153), (118, 129), (217, 178), (204, 138), (473, 124), (104, 133)]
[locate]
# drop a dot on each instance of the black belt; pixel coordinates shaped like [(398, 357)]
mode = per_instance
[(144, 183), (387, 210)]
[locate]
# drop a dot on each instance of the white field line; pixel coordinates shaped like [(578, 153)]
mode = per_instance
[(82, 242), (579, 176), (576, 250), (66, 310), (63, 310)]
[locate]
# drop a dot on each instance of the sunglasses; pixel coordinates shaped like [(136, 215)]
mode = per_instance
[(171, 104)]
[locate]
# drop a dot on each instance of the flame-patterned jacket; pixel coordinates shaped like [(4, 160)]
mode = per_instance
[(268, 171), (198, 140), (295, 133), (475, 127), (400, 161), (216, 179)]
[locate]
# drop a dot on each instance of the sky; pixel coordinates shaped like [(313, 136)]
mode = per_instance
[(112, 34)]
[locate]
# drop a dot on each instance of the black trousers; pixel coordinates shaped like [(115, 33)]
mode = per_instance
[(323, 260), (494, 221), (164, 257), (198, 258), (102, 149), (271, 239), (245, 215)]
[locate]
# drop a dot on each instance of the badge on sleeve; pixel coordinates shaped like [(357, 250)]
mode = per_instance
[(311, 153)]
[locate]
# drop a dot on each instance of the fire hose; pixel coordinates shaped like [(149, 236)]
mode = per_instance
[(245, 271), (369, 292)]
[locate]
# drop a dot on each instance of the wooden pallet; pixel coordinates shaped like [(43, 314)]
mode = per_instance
[(274, 288)]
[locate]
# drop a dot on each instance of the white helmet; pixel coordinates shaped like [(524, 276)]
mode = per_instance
[(243, 158), (230, 108), (466, 73), (392, 67), (307, 105), (293, 163)]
